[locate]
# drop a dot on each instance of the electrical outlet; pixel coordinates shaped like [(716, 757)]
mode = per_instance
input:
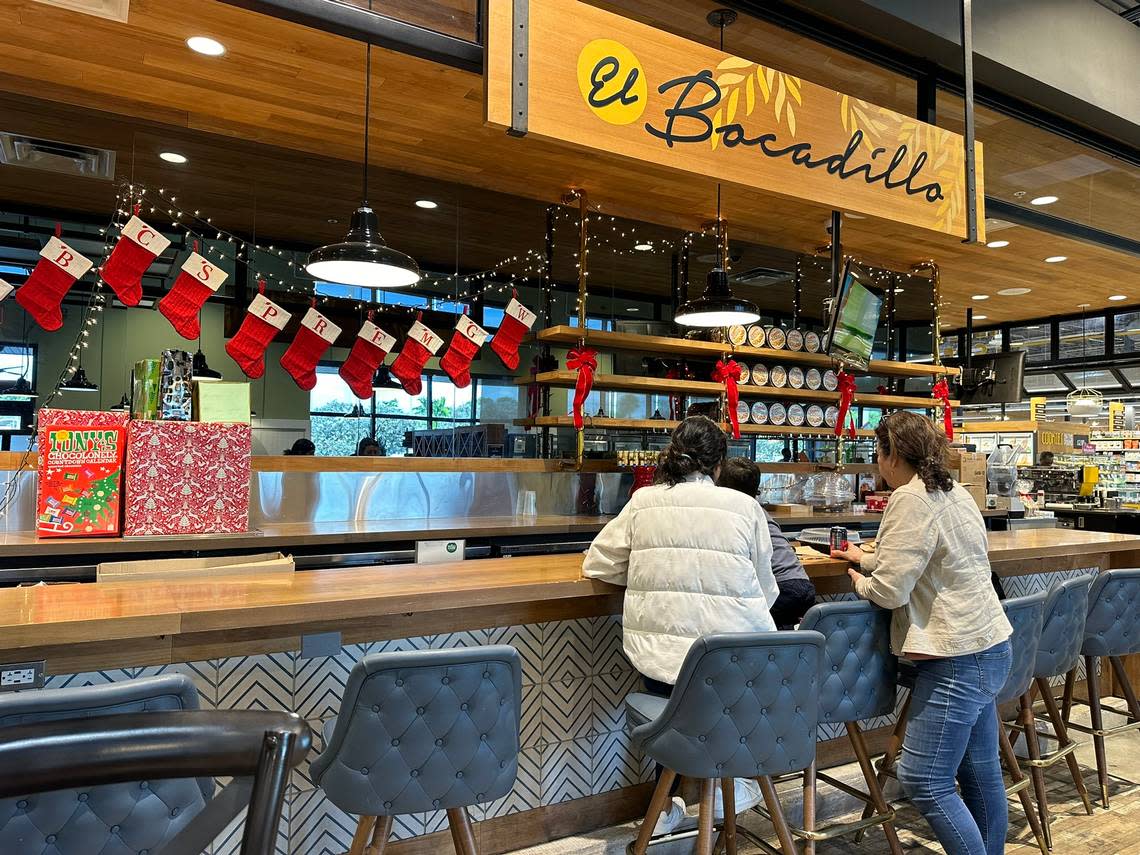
[(21, 675)]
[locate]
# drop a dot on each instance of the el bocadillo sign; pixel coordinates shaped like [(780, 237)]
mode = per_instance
[(569, 71)]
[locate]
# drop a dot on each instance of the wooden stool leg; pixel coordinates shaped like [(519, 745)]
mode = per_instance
[(656, 805), (1125, 686), (380, 836), (360, 839), (728, 796), (1093, 685), (779, 822), (809, 806), (859, 745), (1063, 741), (1037, 773), (894, 745), (1016, 774), (1067, 697), (461, 832), (705, 818)]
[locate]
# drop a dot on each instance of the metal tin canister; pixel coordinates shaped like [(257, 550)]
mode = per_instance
[(838, 537)]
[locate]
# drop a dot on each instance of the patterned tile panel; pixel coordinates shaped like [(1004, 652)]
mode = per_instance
[(567, 650), (616, 763), (88, 678), (256, 682), (319, 682), (229, 841), (526, 793), (567, 771), (318, 827), (567, 710), (528, 641)]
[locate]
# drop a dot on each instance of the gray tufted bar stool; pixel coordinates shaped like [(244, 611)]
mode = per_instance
[(423, 731), (745, 705), (1026, 615), (1112, 630), (858, 683), (1062, 633), (135, 818)]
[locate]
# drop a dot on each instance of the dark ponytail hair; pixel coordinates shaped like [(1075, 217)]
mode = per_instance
[(916, 440), (697, 445)]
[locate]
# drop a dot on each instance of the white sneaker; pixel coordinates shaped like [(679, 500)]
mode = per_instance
[(746, 792), (670, 818)]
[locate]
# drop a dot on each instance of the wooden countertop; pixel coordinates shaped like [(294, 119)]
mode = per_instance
[(285, 536), (279, 604)]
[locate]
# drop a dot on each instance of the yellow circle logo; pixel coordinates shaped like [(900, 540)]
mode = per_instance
[(612, 81)]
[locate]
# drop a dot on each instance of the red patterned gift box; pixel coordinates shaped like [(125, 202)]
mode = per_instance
[(187, 478)]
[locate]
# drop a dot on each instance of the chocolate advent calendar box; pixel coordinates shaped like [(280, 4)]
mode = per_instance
[(80, 473), (187, 478)]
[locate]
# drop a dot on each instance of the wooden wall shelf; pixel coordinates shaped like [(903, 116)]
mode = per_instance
[(663, 386), (667, 425), (666, 346)]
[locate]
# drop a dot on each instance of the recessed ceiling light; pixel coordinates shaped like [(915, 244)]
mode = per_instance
[(427, 204), (1116, 298), (900, 290), (1013, 292), (980, 297), (980, 317), (1043, 200), (997, 244), (172, 157), (632, 309), (205, 45), (643, 247), (333, 220), (1056, 259)]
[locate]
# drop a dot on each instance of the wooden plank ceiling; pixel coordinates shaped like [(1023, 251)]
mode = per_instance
[(273, 135)]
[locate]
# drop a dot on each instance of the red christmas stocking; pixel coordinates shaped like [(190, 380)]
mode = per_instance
[(263, 320), (465, 343), (421, 346), (369, 348), (139, 245), (55, 273), (313, 338), (196, 283), (517, 321)]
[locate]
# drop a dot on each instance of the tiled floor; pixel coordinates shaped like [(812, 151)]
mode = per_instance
[(1113, 832)]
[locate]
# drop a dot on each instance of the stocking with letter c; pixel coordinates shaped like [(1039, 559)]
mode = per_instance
[(139, 245)]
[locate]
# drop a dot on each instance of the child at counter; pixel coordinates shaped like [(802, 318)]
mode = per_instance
[(695, 559), (797, 593)]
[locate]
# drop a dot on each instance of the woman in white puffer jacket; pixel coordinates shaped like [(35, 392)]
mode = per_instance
[(695, 559)]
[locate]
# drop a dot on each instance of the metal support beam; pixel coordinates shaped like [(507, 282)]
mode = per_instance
[(967, 23), (836, 252), (520, 67), (356, 22)]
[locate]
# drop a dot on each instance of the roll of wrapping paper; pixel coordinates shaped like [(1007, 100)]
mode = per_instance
[(144, 390)]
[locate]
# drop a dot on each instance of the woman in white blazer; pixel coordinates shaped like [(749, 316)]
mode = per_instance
[(694, 558)]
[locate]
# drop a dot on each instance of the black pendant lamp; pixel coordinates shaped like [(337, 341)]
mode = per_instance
[(20, 389), (717, 307), (78, 382), (362, 259), (200, 369), (124, 404), (383, 379)]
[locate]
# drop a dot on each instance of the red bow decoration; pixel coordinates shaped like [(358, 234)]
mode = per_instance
[(941, 392), (846, 396), (728, 373), (585, 362)]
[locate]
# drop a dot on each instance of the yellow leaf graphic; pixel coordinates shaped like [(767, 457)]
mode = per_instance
[(770, 76), (749, 95), (733, 62), (791, 119), (938, 164), (794, 88), (765, 85), (731, 79), (843, 100), (716, 124), (733, 103), (780, 95)]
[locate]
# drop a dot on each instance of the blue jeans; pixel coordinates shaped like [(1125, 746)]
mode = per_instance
[(951, 734)]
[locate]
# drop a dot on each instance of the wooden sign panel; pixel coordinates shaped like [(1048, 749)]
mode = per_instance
[(572, 72)]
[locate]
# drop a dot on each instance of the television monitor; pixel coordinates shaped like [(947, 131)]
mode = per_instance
[(993, 378), (854, 317)]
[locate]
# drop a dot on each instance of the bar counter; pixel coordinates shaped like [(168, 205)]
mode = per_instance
[(289, 641)]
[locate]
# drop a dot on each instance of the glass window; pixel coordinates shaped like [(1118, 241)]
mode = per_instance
[(1081, 338), (1035, 383), (397, 402), (17, 361), (1093, 379), (331, 394), (1126, 332), (14, 269), (498, 402), (492, 317), (1034, 340), (593, 323), (987, 341), (1132, 375), (338, 435), (448, 402)]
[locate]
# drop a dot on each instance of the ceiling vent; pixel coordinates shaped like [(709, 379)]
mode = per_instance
[(761, 276), (114, 10), (51, 156)]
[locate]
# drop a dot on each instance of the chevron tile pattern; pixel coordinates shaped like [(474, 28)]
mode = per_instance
[(319, 682), (229, 841), (567, 710), (257, 682), (567, 771), (526, 793), (528, 641), (567, 648), (88, 678)]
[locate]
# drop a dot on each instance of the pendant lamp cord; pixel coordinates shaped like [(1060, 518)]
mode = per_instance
[(722, 244), (367, 110)]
